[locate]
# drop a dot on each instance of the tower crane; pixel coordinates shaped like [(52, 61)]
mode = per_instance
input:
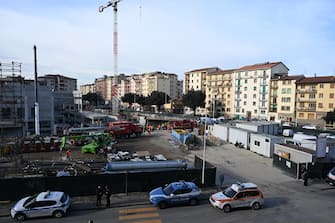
[(115, 99)]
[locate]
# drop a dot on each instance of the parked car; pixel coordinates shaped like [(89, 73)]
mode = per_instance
[(238, 195), (48, 203), (175, 193), (331, 177)]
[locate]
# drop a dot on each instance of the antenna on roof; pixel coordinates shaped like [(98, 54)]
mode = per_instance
[(314, 74)]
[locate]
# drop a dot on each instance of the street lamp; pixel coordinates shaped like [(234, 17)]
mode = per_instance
[(204, 153)]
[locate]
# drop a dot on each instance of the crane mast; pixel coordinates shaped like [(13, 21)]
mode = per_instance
[(115, 96)]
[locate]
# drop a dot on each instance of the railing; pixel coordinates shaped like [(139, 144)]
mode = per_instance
[(306, 109)]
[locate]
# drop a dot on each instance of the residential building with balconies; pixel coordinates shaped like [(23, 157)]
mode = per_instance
[(315, 97), (87, 88), (220, 93), (283, 98), (252, 89), (196, 79)]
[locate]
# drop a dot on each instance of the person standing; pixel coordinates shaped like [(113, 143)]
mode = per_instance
[(68, 154), (99, 192), (305, 176), (108, 194)]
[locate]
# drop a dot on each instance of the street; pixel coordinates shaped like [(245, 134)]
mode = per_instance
[(286, 199)]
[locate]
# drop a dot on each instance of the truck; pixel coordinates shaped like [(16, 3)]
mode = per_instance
[(181, 124), (125, 129)]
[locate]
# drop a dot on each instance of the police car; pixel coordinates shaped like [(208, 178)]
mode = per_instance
[(175, 193), (238, 195), (49, 203)]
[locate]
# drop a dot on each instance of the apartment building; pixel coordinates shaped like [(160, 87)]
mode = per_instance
[(252, 89), (59, 83), (196, 79), (283, 98), (87, 88), (315, 97), (156, 81), (220, 93)]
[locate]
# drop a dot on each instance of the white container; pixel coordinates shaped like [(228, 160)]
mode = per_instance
[(240, 136), (264, 144), (221, 132)]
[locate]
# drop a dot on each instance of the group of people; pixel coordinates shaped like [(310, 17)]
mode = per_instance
[(103, 191)]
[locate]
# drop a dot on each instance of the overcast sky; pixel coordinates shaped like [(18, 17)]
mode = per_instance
[(172, 36)]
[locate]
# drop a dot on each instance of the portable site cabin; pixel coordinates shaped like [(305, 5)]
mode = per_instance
[(295, 153), (240, 136), (221, 131), (270, 128), (264, 144)]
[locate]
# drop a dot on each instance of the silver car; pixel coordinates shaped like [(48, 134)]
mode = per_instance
[(49, 203)]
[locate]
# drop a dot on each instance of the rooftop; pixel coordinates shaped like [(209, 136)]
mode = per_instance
[(259, 66), (320, 79)]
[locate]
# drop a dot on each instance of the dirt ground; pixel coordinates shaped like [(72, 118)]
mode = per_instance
[(157, 142)]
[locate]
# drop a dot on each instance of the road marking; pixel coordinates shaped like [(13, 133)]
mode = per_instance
[(135, 216), (148, 221), (135, 210)]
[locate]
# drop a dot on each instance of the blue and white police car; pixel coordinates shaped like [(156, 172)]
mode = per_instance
[(175, 193)]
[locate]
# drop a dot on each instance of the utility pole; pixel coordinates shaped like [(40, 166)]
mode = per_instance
[(115, 96), (37, 110)]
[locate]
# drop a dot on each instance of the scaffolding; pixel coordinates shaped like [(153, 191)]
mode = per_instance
[(11, 100)]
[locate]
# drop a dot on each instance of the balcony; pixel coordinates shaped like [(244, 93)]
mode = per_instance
[(263, 92), (306, 99), (238, 99), (263, 84), (275, 87), (313, 109), (306, 90), (263, 99)]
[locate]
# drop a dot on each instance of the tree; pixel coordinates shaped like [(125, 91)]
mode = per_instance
[(194, 99), (157, 98), (129, 98), (330, 117), (93, 99)]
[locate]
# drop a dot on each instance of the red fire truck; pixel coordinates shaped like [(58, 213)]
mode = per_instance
[(126, 129)]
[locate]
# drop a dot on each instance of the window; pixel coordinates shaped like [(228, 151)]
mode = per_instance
[(332, 85), (289, 90), (321, 85), (331, 105), (301, 115), (310, 116), (320, 105), (302, 86), (244, 103), (283, 91), (257, 143), (289, 82), (302, 104), (262, 112), (254, 103), (238, 110), (240, 195), (245, 81), (312, 96), (254, 96), (242, 110), (255, 80), (267, 140), (255, 111), (245, 88), (245, 96), (252, 193), (331, 95), (320, 95), (302, 95), (255, 88)]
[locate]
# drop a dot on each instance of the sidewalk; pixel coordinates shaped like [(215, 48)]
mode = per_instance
[(85, 203)]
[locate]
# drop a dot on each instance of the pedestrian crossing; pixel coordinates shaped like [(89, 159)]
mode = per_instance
[(139, 215)]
